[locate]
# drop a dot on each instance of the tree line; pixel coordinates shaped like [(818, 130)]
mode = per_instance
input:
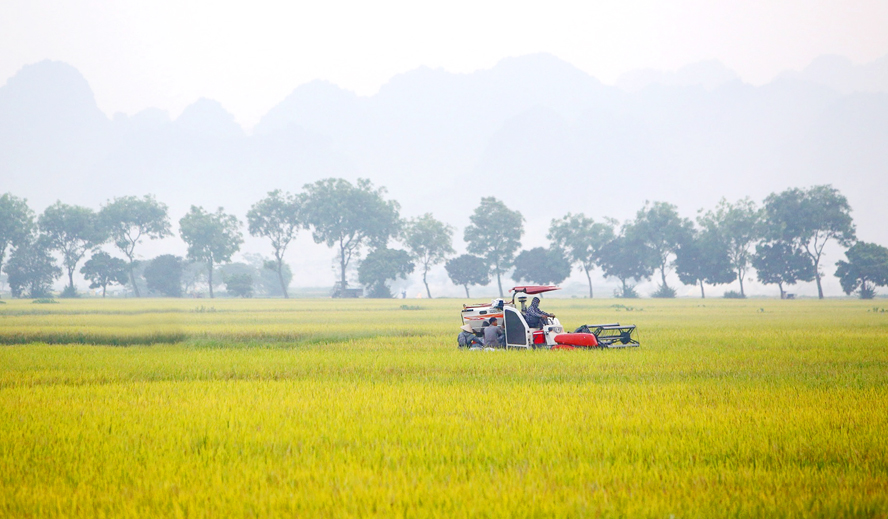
[(782, 240)]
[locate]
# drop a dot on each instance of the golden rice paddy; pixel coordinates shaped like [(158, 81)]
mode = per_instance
[(257, 408)]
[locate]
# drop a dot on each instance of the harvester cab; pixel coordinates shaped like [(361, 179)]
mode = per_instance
[(518, 334)]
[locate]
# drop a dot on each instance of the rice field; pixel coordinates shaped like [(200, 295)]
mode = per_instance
[(257, 408)]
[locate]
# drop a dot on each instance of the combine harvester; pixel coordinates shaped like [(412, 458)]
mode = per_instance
[(551, 336)]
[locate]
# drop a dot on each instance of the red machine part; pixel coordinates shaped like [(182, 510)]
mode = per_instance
[(535, 289), (587, 340)]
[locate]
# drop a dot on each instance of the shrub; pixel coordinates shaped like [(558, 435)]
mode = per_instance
[(69, 292), (664, 292), (164, 275), (867, 292), (240, 285), (628, 293), (733, 294)]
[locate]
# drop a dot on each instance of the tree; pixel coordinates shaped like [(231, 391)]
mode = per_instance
[(211, 237), (429, 242), (129, 219), (73, 231), (31, 268), (468, 270), (163, 274), (582, 238), (269, 269), (808, 219), (704, 258), (739, 226), (866, 269), (193, 275), (240, 285), (542, 266), (381, 265), (627, 258), (266, 281), (279, 218), (16, 223), (779, 263), (495, 235), (102, 270), (348, 217), (661, 229)]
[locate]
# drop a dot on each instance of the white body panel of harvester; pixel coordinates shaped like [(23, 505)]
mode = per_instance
[(518, 334)]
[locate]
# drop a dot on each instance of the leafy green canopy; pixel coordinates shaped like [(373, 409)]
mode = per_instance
[(662, 230), (705, 258), (542, 266), (780, 264), (468, 270), (382, 265), (866, 269), (277, 217), (129, 219), (72, 231), (581, 238), (31, 268), (739, 225), (808, 219), (16, 222), (211, 237), (163, 275), (495, 235), (102, 270), (628, 259), (429, 242), (349, 216), (240, 285)]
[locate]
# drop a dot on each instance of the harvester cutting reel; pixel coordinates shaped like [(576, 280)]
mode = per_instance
[(612, 335)]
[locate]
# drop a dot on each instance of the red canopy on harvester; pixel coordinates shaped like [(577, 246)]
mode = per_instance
[(535, 289)]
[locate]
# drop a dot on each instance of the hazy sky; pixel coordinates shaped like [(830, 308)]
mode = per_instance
[(250, 55)]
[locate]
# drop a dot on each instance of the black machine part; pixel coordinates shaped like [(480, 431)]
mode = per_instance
[(613, 335)]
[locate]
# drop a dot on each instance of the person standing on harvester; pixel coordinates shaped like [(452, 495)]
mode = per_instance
[(535, 317)]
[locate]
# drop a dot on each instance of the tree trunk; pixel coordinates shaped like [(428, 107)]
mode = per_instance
[(702, 293), (589, 278), (133, 279), (342, 268), (499, 281), (663, 275), (817, 278), (424, 282), (740, 277), (210, 277), (467, 291), (623, 281), (71, 279), (281, 278), (103, 290), (782, 294)]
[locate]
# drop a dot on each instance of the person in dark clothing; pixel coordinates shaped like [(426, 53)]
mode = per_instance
[(493, 334), (467, 338), (535, 317)]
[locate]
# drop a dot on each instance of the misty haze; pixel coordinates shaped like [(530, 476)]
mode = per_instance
[(533, 131), (475, 258)]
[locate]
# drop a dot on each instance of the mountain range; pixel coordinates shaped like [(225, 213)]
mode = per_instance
[(534, 131)]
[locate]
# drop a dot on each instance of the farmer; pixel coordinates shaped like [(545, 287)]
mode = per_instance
[(536, 318), (493, 334), (467, 338)]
